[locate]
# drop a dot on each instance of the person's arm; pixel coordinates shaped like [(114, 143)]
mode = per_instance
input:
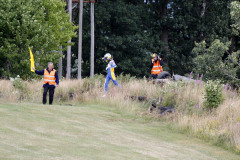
[(151, 65), (112, 64), (57, 79), (161, 61), (39, 72)]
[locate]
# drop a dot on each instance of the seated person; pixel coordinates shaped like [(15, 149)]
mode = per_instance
[(156, 67)]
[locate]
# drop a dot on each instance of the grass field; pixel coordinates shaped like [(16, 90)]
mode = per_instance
[(35, 131)]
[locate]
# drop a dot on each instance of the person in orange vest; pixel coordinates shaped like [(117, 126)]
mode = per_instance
[(156, 66), (50, 82)]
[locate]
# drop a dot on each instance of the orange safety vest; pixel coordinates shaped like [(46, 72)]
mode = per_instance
[(157, 68), (49, 77)]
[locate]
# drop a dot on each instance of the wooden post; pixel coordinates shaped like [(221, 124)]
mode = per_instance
[(60, 63), (92, 40), (69, 47), (80, 39)]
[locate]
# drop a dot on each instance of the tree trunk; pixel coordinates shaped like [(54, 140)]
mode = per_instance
[(203, 8), (232, 47), (203, 11), (160, 7), (164, 39), (80, 39), (69, 47), (92, 41), (164, 34), (60, 63)]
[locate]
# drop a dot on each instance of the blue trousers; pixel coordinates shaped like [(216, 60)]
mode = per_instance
[(108, 78)]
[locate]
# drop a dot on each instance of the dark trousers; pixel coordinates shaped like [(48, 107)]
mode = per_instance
[(152, 76), (51, 94)]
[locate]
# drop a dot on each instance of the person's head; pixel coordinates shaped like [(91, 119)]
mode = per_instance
[(154, 56), (107, 57), (50, 65)]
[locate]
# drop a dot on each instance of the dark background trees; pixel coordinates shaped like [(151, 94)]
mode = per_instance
[(133, 29)]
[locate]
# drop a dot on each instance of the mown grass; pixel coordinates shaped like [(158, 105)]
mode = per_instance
[(36, 131), (220, 126)]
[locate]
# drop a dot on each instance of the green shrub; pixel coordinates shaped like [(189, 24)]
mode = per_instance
[(91, 83), (99, 78), (21, 86), (169, 99), (60, 95), (169, 94), (125, 78), (88, 84), (213, 94)]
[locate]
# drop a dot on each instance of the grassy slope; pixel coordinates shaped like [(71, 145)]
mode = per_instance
[(33, 131)]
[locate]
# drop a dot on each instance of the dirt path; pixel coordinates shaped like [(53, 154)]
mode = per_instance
[(31, 131)]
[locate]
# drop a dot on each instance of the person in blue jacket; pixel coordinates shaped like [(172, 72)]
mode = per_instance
[(50, 81), (110, 71)]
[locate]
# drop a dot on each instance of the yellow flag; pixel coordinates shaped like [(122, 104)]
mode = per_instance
[(31, 60)]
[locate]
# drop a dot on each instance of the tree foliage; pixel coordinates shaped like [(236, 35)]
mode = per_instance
[(41, 24), (124, 30), (128, 29), (216, 61), (213, 94), (235, 15), (131, 30), (209, 60)]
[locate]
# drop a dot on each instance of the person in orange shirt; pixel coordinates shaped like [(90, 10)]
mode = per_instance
[(156, 67), (50, 81)]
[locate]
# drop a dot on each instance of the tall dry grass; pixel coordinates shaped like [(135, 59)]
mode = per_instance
[(221, 125)]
